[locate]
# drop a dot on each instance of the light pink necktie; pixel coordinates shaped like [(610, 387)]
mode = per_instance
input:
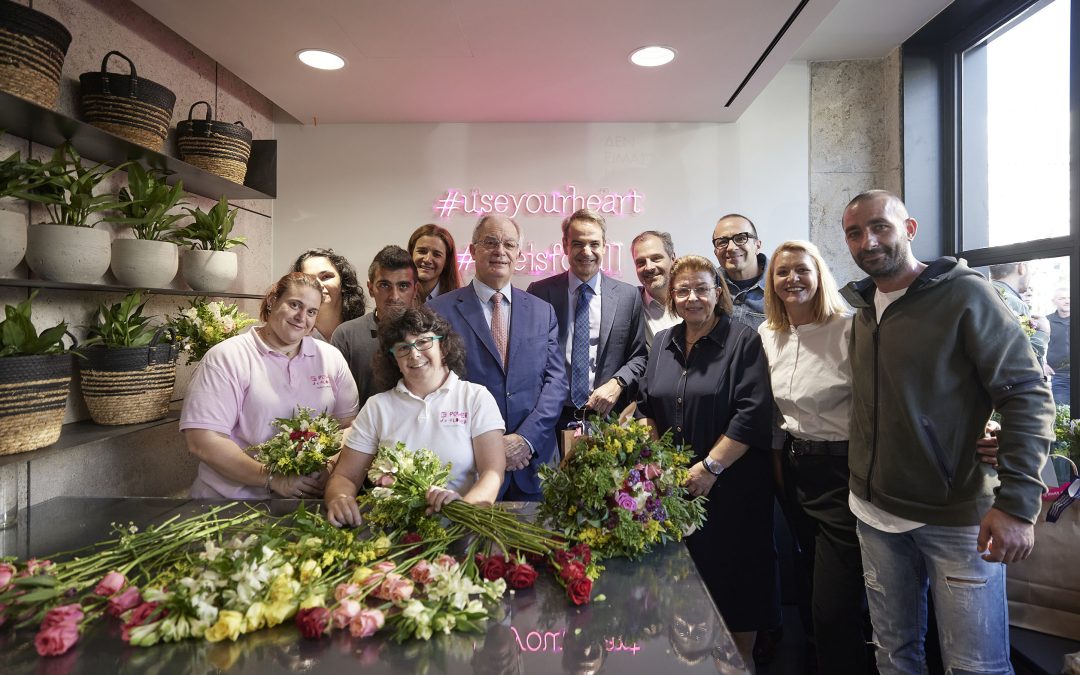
[(498, 325)]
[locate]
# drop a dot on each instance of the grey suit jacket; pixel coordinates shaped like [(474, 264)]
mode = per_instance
[(621, 351)]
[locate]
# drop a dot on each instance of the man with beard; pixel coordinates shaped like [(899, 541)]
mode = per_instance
[(653, 255), (601, 331), (738, 250), (392, 283), (1057, 354), (933, 352)]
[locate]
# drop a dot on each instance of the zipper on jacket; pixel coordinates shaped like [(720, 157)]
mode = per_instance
[(935, 447), (873, 441)]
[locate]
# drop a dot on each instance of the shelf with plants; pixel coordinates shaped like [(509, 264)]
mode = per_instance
[(113, 288), (47, 127)]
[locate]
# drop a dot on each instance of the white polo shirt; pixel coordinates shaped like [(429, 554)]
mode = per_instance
[(445, 422)]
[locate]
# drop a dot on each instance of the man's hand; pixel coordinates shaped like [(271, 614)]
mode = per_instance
[(603, 398), (1005, 538), (987, 446), (700, 480), (518, 452), (1048, 371)]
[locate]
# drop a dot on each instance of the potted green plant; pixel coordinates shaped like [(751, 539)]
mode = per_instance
[(151, 258), (129, 369), (16, 178), (209, 265), (35, 375), (68, 248)]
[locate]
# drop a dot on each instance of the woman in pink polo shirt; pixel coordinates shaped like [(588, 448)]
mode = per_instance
[(246, 382)]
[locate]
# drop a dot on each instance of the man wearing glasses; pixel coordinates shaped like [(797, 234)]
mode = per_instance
[(512, 348), (738, 250)]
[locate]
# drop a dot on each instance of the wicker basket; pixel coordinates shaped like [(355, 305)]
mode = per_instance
[(218, 147), (33, 393), (136, 109), (129, 385), (32, 50)]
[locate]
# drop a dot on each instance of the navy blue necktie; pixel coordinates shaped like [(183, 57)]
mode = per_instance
[(579, 349)]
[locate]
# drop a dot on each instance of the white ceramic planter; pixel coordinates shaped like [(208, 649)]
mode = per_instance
[(209, 271), (12, 240), (67, 253), (144, 263)]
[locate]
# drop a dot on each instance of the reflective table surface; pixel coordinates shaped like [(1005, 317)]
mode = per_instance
[(652, 616)]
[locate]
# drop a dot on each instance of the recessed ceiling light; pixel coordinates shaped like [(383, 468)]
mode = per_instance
[(317, 58), (652, 56)]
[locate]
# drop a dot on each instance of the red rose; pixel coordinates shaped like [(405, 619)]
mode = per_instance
[(493, 567), (145, 613), (413, 538), (582, 552), (313, 622), (521, 575), (534, 559), (579, 591), (562, 556), (571, 571)]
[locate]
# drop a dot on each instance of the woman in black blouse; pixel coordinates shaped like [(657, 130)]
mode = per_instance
[(708, 382)]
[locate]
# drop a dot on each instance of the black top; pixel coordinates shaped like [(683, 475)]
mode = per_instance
[(1057, 354)]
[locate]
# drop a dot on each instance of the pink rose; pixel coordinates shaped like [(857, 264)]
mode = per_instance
[(373, 579), (384, 566), (346, 591), (146, 613), (652, 472), (122, 602), (110, 585), (56, 640), (625, 501), (385, 480), (64, 614), (394, 588), (35, 566), (7, 572), (366, 623), (446, 561), (421, 572), (343, 614)]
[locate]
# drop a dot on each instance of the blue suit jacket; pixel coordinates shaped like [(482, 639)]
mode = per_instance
[(621, 351), (531, 389)]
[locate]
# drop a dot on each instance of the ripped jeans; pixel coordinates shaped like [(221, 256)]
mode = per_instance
[(969, 599)]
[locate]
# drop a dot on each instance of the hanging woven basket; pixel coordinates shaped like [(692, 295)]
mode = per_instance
[(32, 50), (129, 385), (218, 147), (33, 394), (139, 110)]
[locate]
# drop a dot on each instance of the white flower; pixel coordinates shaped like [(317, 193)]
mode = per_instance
[(414, 610), (191, 314)]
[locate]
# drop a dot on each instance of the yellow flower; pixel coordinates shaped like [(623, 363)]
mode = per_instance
[(572, 510), (279, 612), (229, 625), (255, 617), (382, 545), (312, 600), (361, 573), (283, 588), (309, 571), (328, 558)]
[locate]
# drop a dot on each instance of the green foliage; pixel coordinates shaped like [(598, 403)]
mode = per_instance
[(67, 187), (18, 178), (122, 324), (145, 204), (210, 230), (18, 337)]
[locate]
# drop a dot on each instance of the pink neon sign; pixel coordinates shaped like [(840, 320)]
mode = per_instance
[(551, 641), (548, 261), (554, 203)]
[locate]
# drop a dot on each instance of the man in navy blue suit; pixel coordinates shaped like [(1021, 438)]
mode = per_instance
[(601, 323), (512, 348)]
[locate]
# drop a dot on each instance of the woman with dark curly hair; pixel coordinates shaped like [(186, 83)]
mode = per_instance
[(431, 407), (344, 295), (432, 250)]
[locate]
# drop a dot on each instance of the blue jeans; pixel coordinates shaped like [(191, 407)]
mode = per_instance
[(969, 599)]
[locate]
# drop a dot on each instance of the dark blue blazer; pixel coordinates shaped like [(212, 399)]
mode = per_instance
[(531, 390), (622, 350)]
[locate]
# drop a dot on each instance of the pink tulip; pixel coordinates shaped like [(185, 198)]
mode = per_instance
[(122, 602), (110, 585)]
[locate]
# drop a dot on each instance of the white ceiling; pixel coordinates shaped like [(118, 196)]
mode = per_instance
[(528, 60)]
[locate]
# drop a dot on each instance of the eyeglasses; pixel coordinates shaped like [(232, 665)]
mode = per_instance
[(739, 239), (403, 349), (700, 291), (492, 244)]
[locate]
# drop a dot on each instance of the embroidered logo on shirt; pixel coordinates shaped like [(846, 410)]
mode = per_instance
[(449, 418), (320, 381)]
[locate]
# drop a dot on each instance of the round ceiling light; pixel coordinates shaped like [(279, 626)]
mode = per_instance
[(652, 56), (323, 60)]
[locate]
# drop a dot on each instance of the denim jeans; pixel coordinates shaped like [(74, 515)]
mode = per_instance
[(969, 599)]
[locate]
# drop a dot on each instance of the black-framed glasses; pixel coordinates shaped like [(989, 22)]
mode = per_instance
[(403, 349), (739, 239)]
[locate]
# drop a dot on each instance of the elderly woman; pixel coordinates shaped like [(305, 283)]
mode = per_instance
[(344, 295), (432, 250), (707, 381), (431, 407), (246, 382)]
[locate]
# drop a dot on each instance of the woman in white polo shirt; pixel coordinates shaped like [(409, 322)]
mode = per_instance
[(432, 408)]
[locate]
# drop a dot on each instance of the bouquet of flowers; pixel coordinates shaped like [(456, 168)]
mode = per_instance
[(303, 444), (621, 492), (204, 324)]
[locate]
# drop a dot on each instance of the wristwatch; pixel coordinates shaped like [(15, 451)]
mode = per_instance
[(619, 381), (713, 466)]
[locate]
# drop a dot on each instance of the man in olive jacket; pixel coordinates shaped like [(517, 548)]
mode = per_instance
[(933, 351)]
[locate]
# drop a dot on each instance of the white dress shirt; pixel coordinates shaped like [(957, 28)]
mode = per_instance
[(657, 317)]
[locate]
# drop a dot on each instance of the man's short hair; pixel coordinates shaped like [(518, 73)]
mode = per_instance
[(490, 216), (1003, 270), (391, 258), (894, 201), (587, 215), (753, 228), (664, 238)]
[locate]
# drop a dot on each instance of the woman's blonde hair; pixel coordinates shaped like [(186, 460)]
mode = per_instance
[(827, 301), (692, 264)]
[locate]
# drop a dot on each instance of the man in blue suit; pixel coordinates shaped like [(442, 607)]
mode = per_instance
[(512, 348), (601, 324)]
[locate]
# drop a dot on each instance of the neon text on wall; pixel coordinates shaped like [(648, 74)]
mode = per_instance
[(551, 641), (554, 203), (548, 261)]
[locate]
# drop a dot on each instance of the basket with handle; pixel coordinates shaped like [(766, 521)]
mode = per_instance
[(32, 50), (131, 107), (129, 385), (218, 147)]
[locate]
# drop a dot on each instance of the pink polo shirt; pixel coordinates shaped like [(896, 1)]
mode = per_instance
[(241, 386)]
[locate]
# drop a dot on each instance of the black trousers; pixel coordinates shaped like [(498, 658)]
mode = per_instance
[(816, 492)]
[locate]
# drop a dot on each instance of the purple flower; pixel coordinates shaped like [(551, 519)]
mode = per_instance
[(648, 486), (634, 477), (651, 503), (646, 453), (625, 501), (659, 515), (642, 517)]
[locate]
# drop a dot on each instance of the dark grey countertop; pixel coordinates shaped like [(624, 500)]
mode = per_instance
[(657, 618)]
